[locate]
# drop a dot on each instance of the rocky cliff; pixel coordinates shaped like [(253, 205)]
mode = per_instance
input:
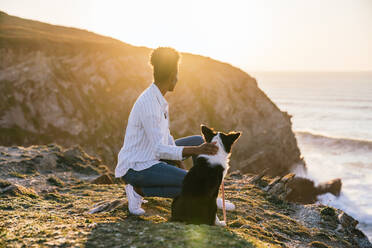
[(71, 86)]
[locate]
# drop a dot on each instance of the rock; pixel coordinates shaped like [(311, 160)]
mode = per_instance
[(236, 175), (53, 180), (4, 183), (104, 179), (45, 167), (48, 90), (332, 186), (18, 190), (300, 190), (257, 178), (360, 239), (304, 191), (107, 206), (74, 153), (328, 211), (272, 183), (347, 221), (318, 244)]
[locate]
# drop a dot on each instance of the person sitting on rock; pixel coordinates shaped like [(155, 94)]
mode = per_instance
[(149, 150)]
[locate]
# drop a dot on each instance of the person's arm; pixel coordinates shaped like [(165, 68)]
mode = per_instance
[(151, 122), (205, 148)]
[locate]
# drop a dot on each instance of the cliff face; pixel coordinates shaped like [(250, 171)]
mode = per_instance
[(71, 86)]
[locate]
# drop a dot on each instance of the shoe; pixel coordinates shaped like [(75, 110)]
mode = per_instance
[(134, 201), (217, 222), (228, 205)]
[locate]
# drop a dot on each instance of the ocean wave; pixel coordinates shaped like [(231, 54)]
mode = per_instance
[(335, 142)]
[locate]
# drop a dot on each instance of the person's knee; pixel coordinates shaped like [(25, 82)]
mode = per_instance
[(194, 140), (130, 178), (199, 139)]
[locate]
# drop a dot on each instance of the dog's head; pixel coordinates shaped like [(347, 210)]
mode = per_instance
[(223, 140)]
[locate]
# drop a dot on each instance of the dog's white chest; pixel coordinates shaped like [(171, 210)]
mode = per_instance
[(221, 158)]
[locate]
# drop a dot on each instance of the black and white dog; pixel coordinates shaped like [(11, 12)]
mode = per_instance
[(197, 202)]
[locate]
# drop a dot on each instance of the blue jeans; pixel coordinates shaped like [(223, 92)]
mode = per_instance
[(162, 179)]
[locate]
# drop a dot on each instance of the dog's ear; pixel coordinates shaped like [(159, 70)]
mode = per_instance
[(233, 136), (229, 139), (208, 133)]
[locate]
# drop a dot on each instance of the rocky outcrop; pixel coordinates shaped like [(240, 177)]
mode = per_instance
[(71, 86), (301, 190), (44, 167)]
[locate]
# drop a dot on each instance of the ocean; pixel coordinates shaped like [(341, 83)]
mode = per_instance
[(332, 121)]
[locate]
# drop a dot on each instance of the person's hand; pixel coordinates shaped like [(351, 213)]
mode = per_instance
[(180, 164), (208, 148)]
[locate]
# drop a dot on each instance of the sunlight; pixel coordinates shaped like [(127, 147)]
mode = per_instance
[(265, 35), (197, 27)]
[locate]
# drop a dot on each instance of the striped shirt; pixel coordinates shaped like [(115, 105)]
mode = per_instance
[(147, 138)]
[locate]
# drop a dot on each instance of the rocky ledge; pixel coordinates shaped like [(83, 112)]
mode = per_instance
[(47, 195)]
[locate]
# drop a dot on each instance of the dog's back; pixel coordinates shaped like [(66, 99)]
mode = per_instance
[(197, 202)]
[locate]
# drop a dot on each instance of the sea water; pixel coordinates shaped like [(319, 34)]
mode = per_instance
[(332, 121)]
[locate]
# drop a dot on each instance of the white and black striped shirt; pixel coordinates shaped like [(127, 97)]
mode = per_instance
[(147, 138)]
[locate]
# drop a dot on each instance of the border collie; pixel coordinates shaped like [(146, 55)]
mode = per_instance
[(197, 202)]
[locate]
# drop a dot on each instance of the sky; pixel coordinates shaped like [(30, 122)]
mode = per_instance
[(255, 35)]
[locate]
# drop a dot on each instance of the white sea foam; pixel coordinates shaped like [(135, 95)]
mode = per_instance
[(332, 117)]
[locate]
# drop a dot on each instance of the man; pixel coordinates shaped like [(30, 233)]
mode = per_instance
[(148, 142)]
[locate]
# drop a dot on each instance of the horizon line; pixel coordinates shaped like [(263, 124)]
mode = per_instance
[(310, 71)]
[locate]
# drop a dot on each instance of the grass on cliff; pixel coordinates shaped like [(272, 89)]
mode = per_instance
[(60, 218)]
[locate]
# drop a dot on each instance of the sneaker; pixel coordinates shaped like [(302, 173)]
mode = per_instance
[(134, 201), (217, 222), (228, 205)]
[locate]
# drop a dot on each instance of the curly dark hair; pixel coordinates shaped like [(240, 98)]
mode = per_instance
[(164, 61)]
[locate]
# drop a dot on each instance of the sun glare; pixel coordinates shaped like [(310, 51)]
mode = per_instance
[(253, 35)]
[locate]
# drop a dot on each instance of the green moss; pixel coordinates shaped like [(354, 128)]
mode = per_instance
[(56, 197), (274, 200), (322, 235), (164, 235), (4, 183), (6, 207), (55, 181), (16, 174), (328, 211), (318, 244), (328, 214)]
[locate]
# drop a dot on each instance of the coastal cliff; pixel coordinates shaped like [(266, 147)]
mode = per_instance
[(71, 86)]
